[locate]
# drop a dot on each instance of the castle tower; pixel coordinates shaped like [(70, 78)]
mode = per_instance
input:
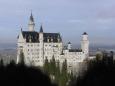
[(20, 46), (31, 24), (69, 46), (85, 43), (41, 45)]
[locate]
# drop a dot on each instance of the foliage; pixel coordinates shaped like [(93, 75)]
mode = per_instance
[(58, 75), (18, 75), (98, 57), (1, 63), (99, 73)]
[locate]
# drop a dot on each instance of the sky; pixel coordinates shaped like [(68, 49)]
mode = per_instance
[(68, 17)]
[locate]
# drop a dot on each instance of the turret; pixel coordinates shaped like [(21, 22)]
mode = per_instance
[(85, 43), (69, 46), (41, 29), (31, 24), (20, 44), (41, 34)]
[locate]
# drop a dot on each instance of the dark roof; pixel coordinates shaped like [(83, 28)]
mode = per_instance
[(31, 36), (69, 42), (75, 50), (34, 37), (85, 33), (52, 37)]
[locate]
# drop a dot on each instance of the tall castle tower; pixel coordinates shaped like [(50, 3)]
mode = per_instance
[(85, 44), (31, 24)]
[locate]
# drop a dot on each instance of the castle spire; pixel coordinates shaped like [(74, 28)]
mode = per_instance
[(31, 17), (31, 24), (41, 29), (21, 29)]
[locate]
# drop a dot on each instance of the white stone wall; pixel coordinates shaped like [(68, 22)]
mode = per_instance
[(52, 49)]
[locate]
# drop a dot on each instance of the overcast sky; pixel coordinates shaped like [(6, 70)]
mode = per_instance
[(69, 17)]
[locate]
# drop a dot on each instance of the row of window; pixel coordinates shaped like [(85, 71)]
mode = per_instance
[(73, 53), (46, 49), (33, 50), (46, 53), (46, 45)]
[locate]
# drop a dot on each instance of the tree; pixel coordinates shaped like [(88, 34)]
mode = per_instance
[(1, 63), (100, 74), (57, 73), (99, 57), (53, 66), (22, 62), (64, 74), (60, 77), (46, 66), (64, 67)]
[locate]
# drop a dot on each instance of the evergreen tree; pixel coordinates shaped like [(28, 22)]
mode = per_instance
[(57, 73), (12, 62), (1, 63), (21, 62), (98, 57), (60, 77), (46, 67), (64, 75), (53, 66), (64, 67)]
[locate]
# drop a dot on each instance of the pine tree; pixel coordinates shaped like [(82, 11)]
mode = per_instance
[(60, 77), (22, 62), (1, 63), (98, 57), (53, 66), (46, 67), (64, 75), (57, 73)]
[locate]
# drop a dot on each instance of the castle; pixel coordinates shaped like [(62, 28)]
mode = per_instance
[(37, 46)]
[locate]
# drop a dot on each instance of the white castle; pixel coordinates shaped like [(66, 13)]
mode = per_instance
[(37, 46)]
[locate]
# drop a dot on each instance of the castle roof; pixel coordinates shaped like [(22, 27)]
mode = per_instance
[(31, 36), (75, 50), (52, 37), (48, 37), (84, 33), (69, 42)]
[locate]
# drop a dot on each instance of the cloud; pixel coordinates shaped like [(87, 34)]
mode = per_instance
[(97, 17)]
